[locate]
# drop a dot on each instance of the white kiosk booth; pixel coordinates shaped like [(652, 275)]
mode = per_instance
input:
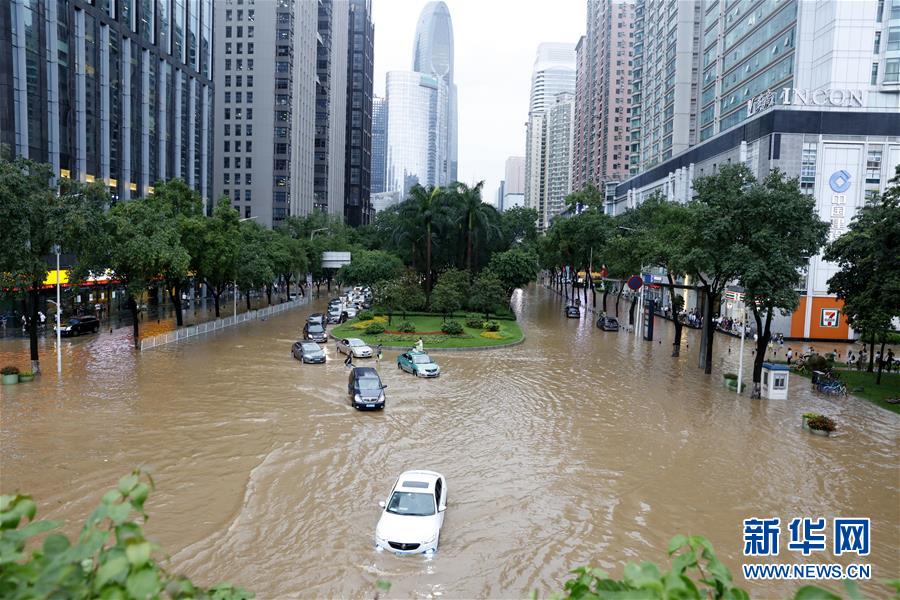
[(775, 381)]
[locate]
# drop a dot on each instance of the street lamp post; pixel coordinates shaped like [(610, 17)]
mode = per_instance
[(741, 353), (234, 294), (58, 311)]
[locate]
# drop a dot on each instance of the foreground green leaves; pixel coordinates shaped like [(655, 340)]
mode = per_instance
[(110, 559)]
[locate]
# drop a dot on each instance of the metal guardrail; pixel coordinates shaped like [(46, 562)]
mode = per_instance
[(178, 335)]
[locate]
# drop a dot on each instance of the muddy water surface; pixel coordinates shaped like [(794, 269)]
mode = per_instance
[(577, 446)]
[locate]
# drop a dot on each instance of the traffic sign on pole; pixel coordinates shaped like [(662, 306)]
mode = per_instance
[(634, 282)]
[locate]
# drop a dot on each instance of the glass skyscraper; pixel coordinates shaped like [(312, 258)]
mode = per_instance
[(433, 54), (113, 90)]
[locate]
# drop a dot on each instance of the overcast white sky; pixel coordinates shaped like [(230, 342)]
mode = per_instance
[(495, 43)]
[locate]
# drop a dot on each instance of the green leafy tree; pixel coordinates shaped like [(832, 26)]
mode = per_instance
[(254, 266), (141, 243), (110, 558), (450, 292), (422, 207), (477, 216), (289, 257), (780, 230), (401, 294), (214, 246), (519, 226), (868, 279), (367, 267), (589, 198), (709, 250), (488, 293), (182, 203), (659, 230), (515, 268), (35, 217)]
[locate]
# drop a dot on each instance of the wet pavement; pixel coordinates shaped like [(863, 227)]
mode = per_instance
[(575, 447)]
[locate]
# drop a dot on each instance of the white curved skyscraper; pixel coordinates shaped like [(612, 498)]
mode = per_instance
[(433, 55)]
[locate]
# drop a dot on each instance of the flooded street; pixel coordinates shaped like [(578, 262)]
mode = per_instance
[(575, 447)]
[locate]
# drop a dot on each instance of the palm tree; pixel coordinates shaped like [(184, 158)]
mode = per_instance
[(420, 209), (477, 215)]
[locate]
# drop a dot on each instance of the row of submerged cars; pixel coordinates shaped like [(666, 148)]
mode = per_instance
[(604, 323), (413, 512)]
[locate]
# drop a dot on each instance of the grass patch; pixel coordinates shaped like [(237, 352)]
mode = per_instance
[(509, 333), (876, 394)]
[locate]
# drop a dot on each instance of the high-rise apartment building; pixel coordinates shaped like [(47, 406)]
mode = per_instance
[(379, 133), (358, 152), (558, 167), (331, 106), (433, 54), (552, 90), (421, 109), (119, 92), (514, 175), (809, 88), (603, 94), (664, 79), (265, 111)]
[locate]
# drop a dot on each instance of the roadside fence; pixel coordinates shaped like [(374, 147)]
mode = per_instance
[(162, 339)]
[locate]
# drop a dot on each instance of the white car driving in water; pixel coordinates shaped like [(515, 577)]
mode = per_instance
[(413, 514)]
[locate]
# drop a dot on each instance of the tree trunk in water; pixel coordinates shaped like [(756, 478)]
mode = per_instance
[(631, 310), (710, 332), (328, 281), (247, 296), (215, 293), (676, 345), (175, 293), (618, 297), (605, 295), (702, 297), (428, 266), (764, 334), (33, 294), (269, 293), (135, 326), (880, 362), (871, 368), (593, 294)]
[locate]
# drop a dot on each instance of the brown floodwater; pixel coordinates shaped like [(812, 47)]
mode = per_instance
[(575, 447)]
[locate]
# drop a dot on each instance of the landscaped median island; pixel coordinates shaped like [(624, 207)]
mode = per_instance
[(436, 332)]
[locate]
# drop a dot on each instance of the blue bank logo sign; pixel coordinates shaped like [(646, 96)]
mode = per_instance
[(840, 181)]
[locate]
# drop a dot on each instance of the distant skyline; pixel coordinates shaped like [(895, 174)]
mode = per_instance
[(496, 43)]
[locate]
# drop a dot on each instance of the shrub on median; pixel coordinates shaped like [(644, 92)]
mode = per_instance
[(452, 328)]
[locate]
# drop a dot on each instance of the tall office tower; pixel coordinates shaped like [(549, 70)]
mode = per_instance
[(559, 138), (379, 143), (809, 88), (433, 54), (265, 71), (416, 131), (499, 200), (118, 92), (553, 73), (331, 106), (514, 184), (664, 79), (358, 152), (602, 94)]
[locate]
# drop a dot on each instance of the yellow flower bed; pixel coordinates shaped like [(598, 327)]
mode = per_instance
[(492, 335), (364, 324)]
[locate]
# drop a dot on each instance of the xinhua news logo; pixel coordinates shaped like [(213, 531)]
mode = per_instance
[(812, 538)]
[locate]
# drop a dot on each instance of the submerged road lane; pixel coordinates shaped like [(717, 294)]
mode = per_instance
[(575, 447)]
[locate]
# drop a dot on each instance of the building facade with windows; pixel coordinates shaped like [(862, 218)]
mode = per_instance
[(804, 87), (603, 94), (549, 139), (265, 117), (113, 91), (358, 152), (379, 141), (416, 132)]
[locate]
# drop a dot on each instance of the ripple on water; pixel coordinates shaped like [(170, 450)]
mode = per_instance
[(575, 447)]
